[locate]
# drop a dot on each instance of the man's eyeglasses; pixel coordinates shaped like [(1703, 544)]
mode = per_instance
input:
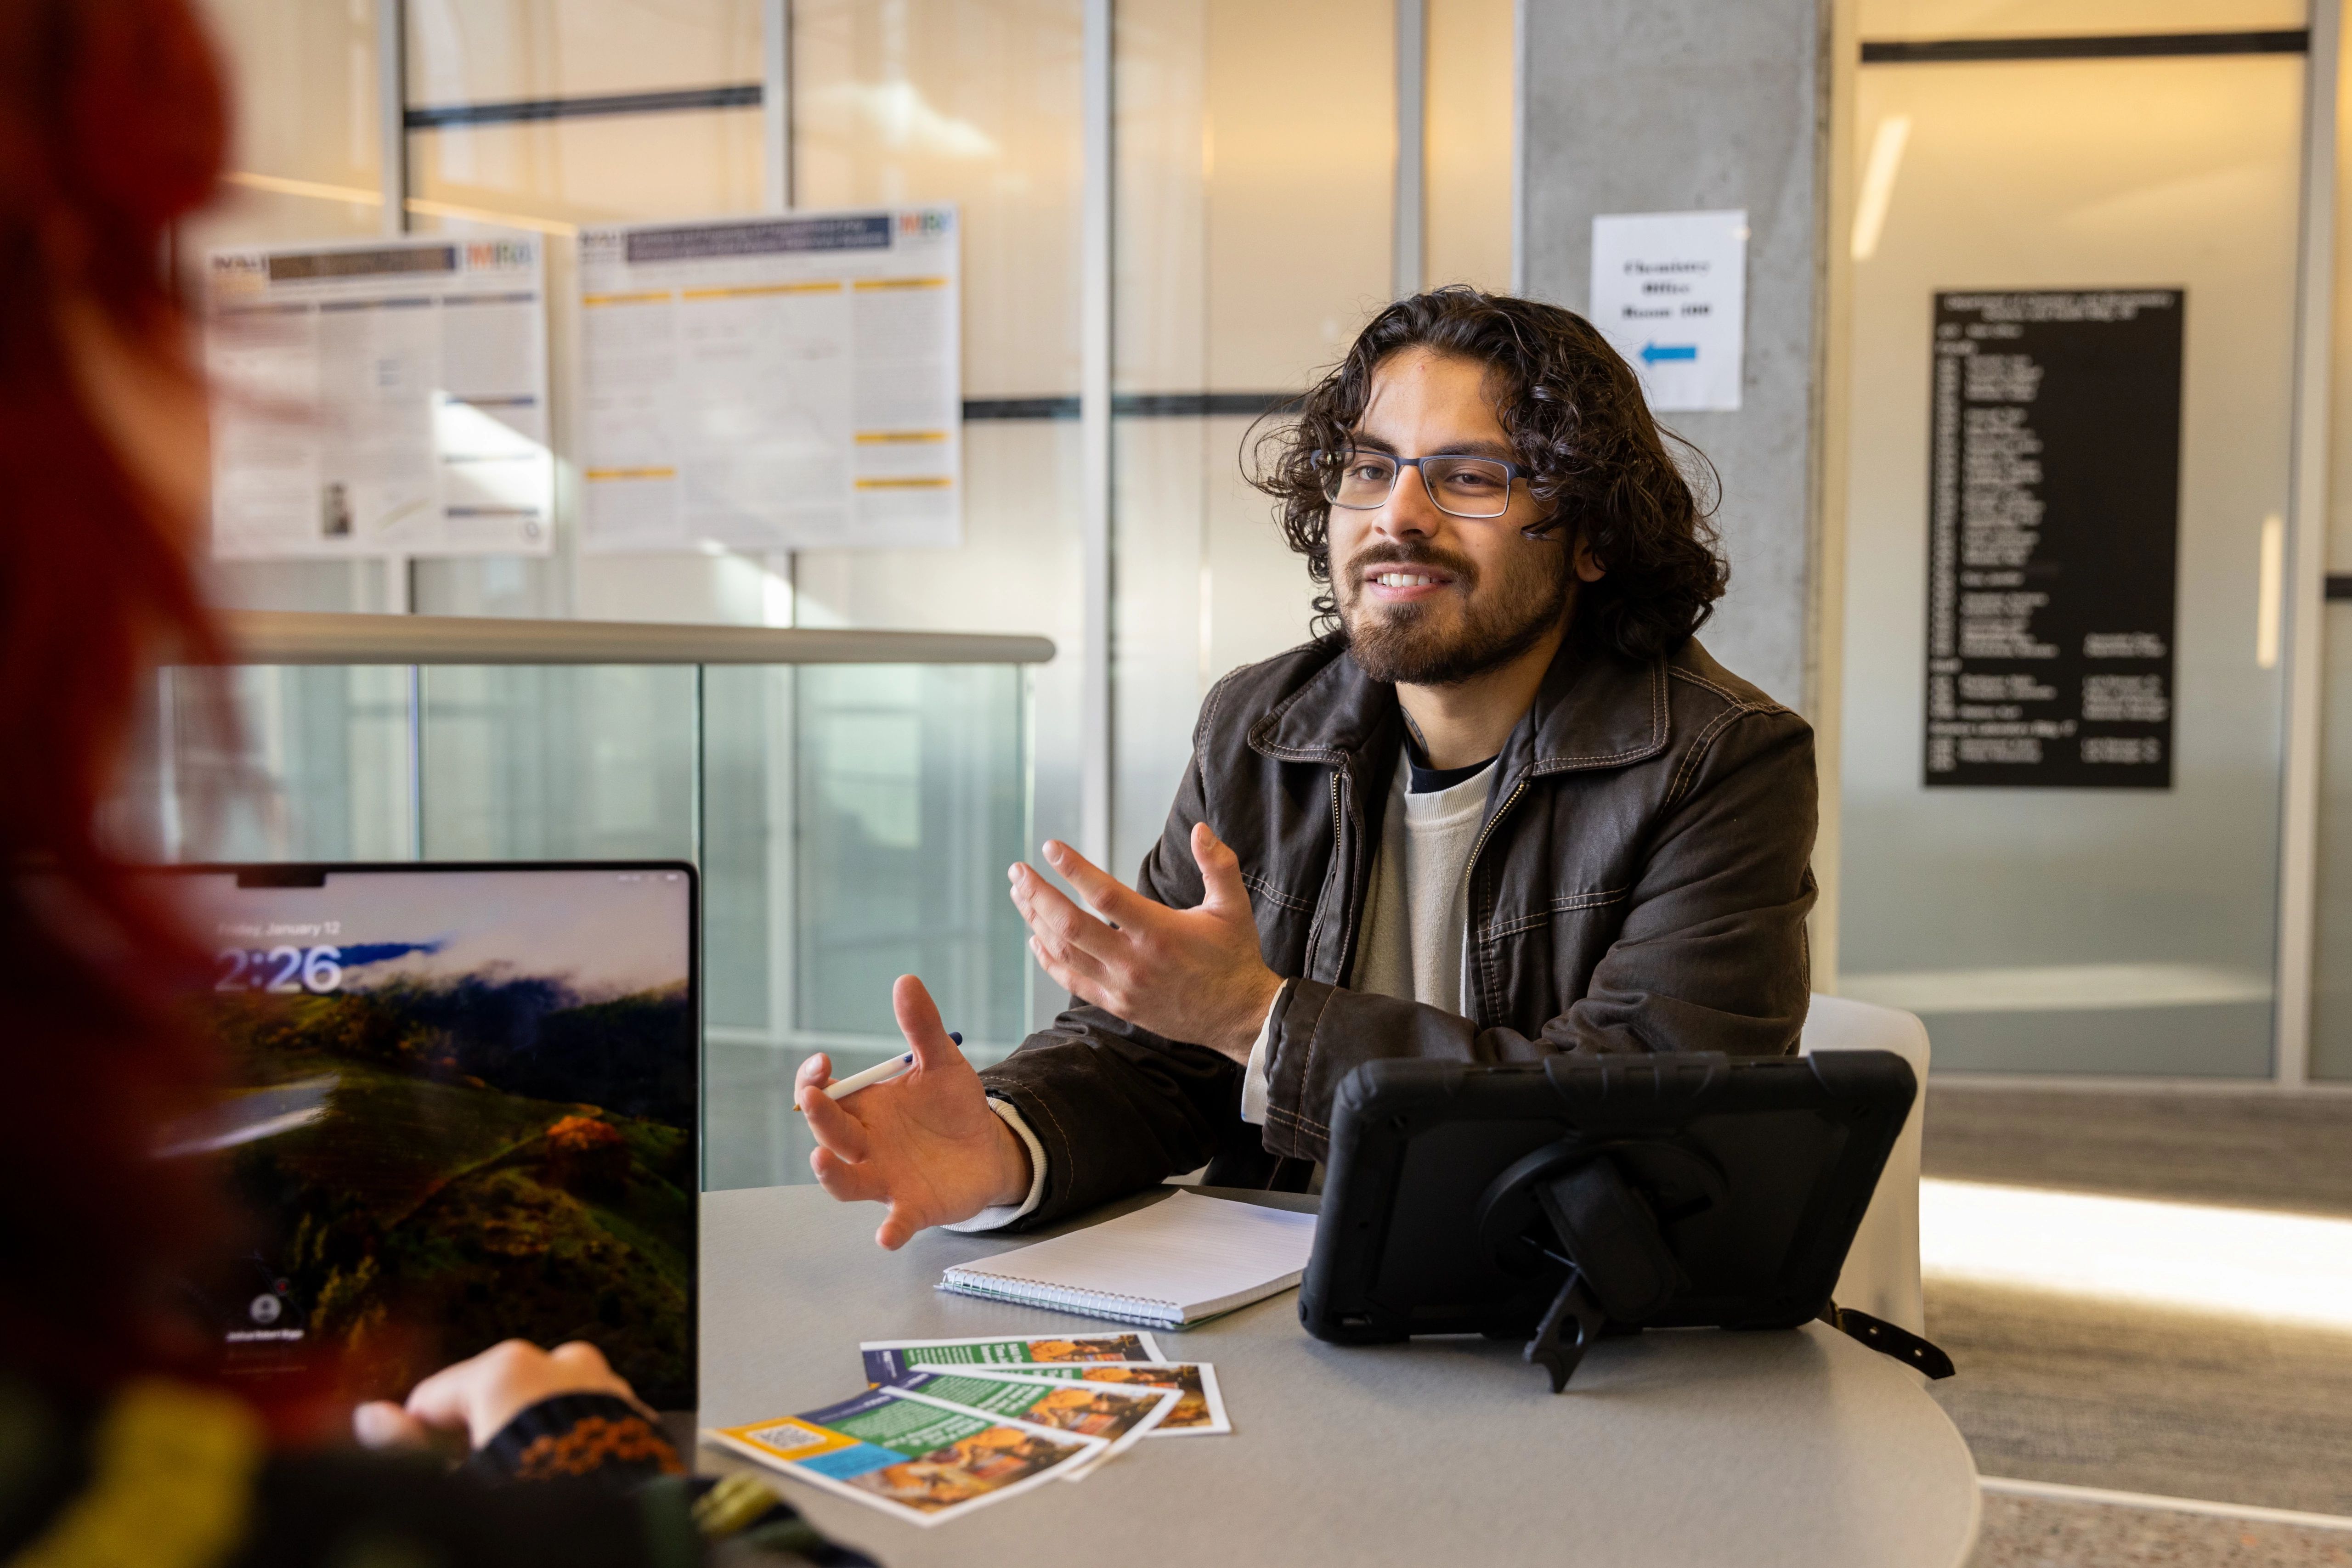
[(1459, 487)]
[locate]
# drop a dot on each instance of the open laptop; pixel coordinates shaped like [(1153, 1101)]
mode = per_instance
[(466, 1109)]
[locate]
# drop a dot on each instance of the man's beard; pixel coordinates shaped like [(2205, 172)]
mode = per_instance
[(1404, 644)]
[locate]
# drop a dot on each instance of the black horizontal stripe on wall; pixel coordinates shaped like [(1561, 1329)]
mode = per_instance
[(739, 95), (1135, 405), (1195, 405), (1020, 408), (2339, 585), (2115, 46)]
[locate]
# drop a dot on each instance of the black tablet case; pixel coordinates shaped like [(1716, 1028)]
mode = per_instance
[(1758, 1173)]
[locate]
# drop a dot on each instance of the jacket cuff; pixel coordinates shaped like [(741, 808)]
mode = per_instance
[(1261, 1060), (999, 1216), (597, 1436), (1291, 1131), (1051, 1175)]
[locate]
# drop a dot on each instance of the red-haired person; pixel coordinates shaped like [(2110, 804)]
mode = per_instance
[(114, 1448)]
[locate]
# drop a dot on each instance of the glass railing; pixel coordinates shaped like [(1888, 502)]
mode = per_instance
[(852, 798)]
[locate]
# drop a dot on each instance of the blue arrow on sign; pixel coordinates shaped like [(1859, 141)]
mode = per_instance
[(1652, 352)]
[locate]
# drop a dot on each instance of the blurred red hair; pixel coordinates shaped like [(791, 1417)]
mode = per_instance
[(113, 124)]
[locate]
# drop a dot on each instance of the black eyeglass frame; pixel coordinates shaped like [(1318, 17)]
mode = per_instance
[(1513, 472)]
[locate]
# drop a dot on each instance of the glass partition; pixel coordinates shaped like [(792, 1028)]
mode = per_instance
[(1254, 226), (2331, 977), (503, 51), (2330, 1058), (852, 822)]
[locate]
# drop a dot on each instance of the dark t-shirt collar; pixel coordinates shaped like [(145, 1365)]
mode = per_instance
[(1426, 780)]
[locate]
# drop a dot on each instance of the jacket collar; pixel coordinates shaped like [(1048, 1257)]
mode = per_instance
[(1589, 712)]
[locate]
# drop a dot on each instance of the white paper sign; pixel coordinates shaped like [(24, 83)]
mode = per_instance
[(773, 383), (387, 397), (1669, 293)]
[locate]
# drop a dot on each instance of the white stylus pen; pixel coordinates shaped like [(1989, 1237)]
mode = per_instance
[(897, 1067)]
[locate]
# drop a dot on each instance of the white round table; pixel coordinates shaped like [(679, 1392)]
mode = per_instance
[(1680, 1449)]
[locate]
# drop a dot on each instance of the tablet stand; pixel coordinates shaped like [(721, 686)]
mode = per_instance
[(1605, 1233), (1588, 1218), (1574, 1303)]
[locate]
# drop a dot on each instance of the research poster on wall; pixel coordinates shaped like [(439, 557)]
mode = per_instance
[(2053, 531), (773, 383), (1669, 293), (383, 398)]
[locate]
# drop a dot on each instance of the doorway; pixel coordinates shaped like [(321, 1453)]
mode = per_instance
[(2063, 746)]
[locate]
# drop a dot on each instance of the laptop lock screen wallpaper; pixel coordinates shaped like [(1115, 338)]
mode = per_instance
[(463, 1111)]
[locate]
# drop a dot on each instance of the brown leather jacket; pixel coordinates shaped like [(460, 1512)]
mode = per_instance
[(1639, 882)]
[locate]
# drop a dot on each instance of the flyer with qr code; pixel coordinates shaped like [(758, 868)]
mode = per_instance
[(887, 1359), (1120, 1414), (1199, 1412), (916, 1458)]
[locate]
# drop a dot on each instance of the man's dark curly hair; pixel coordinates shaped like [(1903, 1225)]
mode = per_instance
[(1576, 416)]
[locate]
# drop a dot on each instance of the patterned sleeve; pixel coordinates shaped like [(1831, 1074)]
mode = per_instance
[(168, 1473), (609, 1443), (579, 1436)]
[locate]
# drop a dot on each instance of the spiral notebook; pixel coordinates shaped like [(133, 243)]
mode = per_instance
[(1169, 1265)]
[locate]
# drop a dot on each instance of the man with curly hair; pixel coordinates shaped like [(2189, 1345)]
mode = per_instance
[(1505, 806)]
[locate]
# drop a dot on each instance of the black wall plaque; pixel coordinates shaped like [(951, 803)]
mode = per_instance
[(2054, 523)]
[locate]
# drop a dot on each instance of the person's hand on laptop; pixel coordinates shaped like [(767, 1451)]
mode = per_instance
[(481, 1394), (1192, 975), (924, 1142)]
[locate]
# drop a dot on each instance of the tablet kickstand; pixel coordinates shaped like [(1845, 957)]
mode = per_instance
[(1618, 1264), (1574, 1306)]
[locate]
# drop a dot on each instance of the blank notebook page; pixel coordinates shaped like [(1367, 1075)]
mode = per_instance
[(1176, 1262)]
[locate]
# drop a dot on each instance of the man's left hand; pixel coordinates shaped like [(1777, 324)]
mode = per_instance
[(1192, 975)]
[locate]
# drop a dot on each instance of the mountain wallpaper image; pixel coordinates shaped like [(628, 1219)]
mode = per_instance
[(438, 1162)]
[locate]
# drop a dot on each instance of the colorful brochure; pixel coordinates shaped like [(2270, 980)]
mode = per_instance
[(916, 1458), (1119, 1413), (1200, 1413), (886, 1359)]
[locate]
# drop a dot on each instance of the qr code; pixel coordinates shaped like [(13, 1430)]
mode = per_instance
[(789, 1438)]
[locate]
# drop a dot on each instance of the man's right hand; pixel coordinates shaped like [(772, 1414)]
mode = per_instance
[(926, 1143)]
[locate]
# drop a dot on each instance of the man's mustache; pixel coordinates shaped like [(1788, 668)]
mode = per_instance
[(1373, 557)]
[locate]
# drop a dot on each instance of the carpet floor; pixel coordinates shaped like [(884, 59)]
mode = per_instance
[(2057, 1388), (2045, 1532), (2253, 1150)]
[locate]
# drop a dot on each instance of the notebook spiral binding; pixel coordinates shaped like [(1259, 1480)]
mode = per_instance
[(1147, 1310)]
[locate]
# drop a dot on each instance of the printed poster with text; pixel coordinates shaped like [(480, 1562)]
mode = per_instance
[(387, 397), (773, 383), (2053, 538)]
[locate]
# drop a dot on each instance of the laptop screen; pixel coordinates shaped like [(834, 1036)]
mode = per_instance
[(465, 1109)]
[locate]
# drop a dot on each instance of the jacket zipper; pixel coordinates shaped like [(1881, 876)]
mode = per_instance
[(1494, 821), (1347, 870), (1315, 932)]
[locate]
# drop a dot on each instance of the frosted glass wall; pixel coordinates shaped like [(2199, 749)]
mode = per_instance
[(2087, 931)]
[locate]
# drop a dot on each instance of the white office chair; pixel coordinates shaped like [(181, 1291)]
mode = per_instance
[(1882, 1271)]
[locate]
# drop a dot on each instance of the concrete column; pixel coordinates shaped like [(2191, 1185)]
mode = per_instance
[(1653, 106)]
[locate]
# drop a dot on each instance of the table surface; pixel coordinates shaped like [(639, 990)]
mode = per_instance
[(1690, 1447)]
